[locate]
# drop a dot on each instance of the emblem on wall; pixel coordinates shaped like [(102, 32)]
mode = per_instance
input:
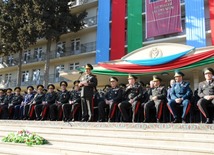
[(156, 53)]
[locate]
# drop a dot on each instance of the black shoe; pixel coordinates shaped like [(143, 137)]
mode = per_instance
[(146, 121), (176, 121), (184, 121), (101, 120), (208, 121), (83, 120)]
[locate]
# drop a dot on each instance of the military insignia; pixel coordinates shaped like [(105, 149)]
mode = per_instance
[(156, 53)]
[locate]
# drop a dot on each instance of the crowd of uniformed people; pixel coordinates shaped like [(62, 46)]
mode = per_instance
[(132, 102)]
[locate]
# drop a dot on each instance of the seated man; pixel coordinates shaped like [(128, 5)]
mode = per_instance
[(206, 94), (70, 109), (133, 96), (111, 98), (15, 103), (49, 99), (4, 106), (62, 98), (180, 95), (157, 97)]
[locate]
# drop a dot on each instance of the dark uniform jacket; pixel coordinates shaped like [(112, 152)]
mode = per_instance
[(114, 94), (87, 91), (17, 100), (8, 99), (38, 98), (75, 96), (181, 90), (2, 98), (63, 97), (135, 93), (205, 89), (50, 98), (160, 92)]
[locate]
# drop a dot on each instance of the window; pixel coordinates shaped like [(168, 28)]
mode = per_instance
[(8, 79), (75, 45), (38, 54), (10, 60), (74, 66), (60, 49), (25, 76), (36, 76), (26, 56), (57, 72)]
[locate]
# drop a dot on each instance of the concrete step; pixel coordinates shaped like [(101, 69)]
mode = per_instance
[(112, 138)]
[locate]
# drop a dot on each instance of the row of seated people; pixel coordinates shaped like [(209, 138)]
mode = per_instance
[(132, 103)]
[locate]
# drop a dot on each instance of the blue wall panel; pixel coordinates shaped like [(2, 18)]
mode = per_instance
[(195, 23), (103, 31)]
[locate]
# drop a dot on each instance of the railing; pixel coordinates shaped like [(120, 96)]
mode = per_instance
[(52, 79), (91, 21), (81, 2)]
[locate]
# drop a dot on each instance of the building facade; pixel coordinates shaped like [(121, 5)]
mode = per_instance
[(112, 29)]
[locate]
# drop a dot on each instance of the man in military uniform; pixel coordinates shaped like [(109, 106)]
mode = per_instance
[(70, 109), (111, 99), (87, 84), (157, 97), (62, 98), (206, 94), (181, 95), (15, 103), (49, 99), (24, 108), (4, 105), (133, 96), (37, 102)]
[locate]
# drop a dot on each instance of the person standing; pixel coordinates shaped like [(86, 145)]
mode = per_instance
[(88, 84), (6, 103), (181, 95), (206, 94)]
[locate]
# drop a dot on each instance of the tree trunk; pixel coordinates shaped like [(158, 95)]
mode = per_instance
[(47, 64), (19, 74)]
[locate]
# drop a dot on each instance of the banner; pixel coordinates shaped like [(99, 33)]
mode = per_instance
[(162, 17)]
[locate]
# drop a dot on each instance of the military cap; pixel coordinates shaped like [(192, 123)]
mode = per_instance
[(44, 90), (63, 83), (76, 82), (113, 79), (51, 86), (17, 88), (9, 89), (89, 66), (208, 70), (156, 78), (30, 87), (2, 90), (178, 73), (40, 86), (132, 77)]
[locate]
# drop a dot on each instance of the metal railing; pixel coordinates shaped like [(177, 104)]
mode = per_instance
[(81, 2), (91, 21)]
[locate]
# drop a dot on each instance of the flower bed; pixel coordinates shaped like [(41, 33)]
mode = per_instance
[(26, 137)]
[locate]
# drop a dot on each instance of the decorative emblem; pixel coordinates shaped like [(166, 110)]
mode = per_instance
[(156, 53)]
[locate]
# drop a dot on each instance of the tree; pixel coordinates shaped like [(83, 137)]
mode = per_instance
[(17, 30), (56, 19)]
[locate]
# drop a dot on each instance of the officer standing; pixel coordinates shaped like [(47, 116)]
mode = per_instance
[(62, 98), (157, 97), (206, 94), (15, 103), (181, 95), (88, 84), (133, 96), (70, 109), (111, 99)]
